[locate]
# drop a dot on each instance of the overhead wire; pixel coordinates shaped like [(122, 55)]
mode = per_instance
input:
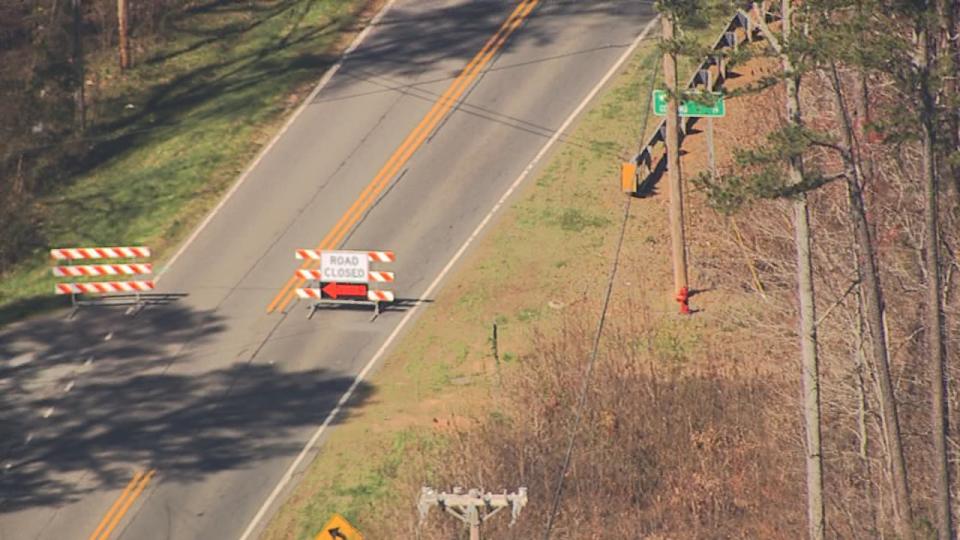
[(591, 364)]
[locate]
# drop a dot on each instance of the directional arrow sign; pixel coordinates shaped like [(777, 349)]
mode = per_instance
[(715, 108), (334, 290), (337, 528)]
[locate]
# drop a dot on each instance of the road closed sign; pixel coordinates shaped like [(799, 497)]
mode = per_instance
[(345, 266)]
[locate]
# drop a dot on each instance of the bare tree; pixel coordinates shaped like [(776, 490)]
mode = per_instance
[(78, 64)]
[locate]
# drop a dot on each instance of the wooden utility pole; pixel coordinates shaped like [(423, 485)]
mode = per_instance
[(472, 507), (678, 241), (123, 33)]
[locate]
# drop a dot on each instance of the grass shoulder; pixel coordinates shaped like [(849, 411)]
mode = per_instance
[(169, 137)]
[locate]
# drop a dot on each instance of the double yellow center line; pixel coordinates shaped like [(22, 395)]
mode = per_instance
[(410, 144), (123, 503)]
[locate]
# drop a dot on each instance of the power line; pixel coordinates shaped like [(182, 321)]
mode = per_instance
[(581, 404), (582, 401)]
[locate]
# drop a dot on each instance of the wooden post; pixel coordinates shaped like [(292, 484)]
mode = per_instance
[(474, 524), (495, 345), (722, 64), (678, 241)]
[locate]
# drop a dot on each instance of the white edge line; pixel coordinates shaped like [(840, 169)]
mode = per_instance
[(288, 475), (324, 80)]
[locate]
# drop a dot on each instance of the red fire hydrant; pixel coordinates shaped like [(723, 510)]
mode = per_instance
[(683, 297)]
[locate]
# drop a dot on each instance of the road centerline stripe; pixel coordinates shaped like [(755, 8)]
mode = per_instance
[(409, 146), (144, 480), (116, 504)]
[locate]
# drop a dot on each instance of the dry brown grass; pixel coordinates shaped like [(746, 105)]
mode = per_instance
[(660, 453)]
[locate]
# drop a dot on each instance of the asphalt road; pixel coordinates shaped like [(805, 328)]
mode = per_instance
[(207, 400)]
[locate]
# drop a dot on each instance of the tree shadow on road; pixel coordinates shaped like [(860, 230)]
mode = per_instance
[(125, 409), (415, 39)]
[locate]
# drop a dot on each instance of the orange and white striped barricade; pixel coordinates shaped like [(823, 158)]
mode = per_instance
[(345, 277), (111, 270)]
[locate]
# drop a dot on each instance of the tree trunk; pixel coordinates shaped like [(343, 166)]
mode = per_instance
[(810, 367), (816, 521), (123, 33), (80, 98), (933, 315), (860, 366), (872, 293)]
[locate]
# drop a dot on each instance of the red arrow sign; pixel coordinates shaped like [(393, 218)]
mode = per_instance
[(335, 290)]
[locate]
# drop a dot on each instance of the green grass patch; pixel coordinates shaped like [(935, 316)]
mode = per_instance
[(528, 314), (172, 134), (573, 220), (353, 496)]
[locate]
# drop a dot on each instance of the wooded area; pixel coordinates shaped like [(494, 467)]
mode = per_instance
[(53, 115), (889, 70)]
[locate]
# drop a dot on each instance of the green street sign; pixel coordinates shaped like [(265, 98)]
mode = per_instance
[(690, 107)]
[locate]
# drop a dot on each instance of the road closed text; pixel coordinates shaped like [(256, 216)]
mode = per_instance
[(345, 266), (341, 274)]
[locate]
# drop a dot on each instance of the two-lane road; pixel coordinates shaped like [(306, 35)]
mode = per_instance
[(182, 421)]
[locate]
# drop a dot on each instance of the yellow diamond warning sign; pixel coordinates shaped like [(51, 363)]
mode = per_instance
[(338, 528)]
